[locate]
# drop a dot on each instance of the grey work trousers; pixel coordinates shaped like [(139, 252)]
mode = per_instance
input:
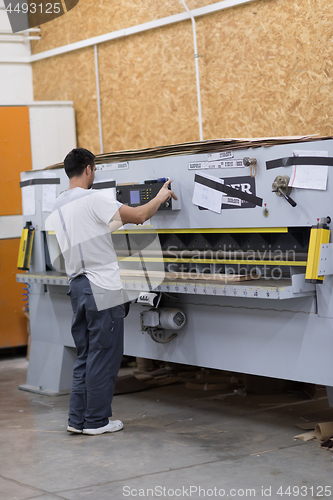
[(98, 337)]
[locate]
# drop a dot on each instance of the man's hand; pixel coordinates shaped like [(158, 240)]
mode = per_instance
[(138, 215), (165, 194)]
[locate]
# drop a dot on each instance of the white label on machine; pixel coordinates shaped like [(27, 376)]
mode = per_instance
[(228, 200), (112, 166), (232, 164), (226, 164), (198, 165), (28, 200), (220, 156), (49, 193), (207, 197), (309, 176), (216, 164)]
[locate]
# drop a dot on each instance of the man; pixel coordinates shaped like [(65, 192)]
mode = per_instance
[(82, 219)]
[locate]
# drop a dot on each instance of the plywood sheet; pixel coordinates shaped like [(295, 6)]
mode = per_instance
[(90, 18), (15, 156), (265, 71), (13, 324), (269, 69), (148, 89), (72, 77)]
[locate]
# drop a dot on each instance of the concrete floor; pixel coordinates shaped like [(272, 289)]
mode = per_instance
[(174, 438)]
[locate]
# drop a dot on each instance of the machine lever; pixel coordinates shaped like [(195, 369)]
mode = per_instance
[(287, 197), (281, 187)]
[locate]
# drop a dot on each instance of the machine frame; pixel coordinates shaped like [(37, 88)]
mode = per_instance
[(277, 326)]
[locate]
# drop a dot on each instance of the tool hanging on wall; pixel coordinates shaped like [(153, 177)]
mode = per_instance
[(27, 238)]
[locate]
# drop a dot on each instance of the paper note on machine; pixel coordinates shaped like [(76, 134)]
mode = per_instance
[(207, 192), (309, 176)]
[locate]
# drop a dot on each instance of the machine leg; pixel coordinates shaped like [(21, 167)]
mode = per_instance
[(50, 369)]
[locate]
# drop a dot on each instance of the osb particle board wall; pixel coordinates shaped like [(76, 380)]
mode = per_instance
[(71, 77), (90, 18), (265, 70)]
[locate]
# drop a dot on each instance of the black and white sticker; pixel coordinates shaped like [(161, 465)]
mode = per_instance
[(220, 156), (247, 186), (203, 165), (112, 166)]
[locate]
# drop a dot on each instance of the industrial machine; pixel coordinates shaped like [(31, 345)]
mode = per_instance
[(235, 275)]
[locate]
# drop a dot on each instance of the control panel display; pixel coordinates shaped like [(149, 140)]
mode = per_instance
[(139, 194), (135, 197)]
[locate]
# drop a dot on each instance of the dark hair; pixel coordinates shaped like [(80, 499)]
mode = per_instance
[(77, 160)]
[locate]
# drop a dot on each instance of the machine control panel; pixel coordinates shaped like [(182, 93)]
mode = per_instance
[(135, 195)]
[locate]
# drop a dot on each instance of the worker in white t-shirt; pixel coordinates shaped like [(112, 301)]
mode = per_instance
[(82, 219)]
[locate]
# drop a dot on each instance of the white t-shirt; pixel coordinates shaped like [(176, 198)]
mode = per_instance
[(80, 219)]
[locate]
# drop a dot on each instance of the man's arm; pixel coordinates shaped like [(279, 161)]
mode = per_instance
[(138, 215)]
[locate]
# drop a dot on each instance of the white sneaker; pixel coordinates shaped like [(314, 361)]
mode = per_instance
[(74, 429), (112, 426)]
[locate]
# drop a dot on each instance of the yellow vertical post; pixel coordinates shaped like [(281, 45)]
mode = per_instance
[(319, 235)]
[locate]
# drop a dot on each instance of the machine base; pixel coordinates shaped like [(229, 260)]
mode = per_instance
[(43, 392)]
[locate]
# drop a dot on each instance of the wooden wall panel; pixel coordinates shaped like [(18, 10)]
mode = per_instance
[(90, 18), (269, 69), (13, 324), (265, 70), (71, 77), (15, 156), (148, 89)]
